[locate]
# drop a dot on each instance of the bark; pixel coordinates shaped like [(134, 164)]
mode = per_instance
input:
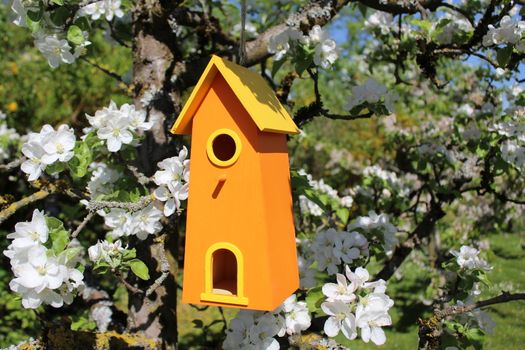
[(155, 55)]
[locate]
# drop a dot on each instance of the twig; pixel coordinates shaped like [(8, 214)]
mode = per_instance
[(35, 197), (11, 165), (430, 330), (141, 178), (132, 288), (164, 266), (82, 224), (102, 69), (461, 309), (132, 207)]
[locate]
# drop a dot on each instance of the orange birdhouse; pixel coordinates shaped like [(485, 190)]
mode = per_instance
[(240, 237)]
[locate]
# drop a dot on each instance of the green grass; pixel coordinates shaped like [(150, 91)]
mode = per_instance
[(508, 259)]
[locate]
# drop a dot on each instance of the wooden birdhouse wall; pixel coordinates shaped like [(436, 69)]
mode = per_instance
[(231, 212)]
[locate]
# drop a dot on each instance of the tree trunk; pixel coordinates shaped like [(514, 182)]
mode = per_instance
[(155, 55)]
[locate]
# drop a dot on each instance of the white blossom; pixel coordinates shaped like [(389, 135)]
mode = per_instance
[(357, 304), (101, 313), (40, 277), (372, 92), (47, 147), (341, 291), (172, 179), (102, 179), (280, 44), (251, 330), (59, 145), (21, 13), (105, 251), (340, 319), (107, 8), (55, 50), (146, 222), (381, 20), (509, 31), (296, 315), (468, 259), (325, 48), (377, 224), (116, 126), (331, 248)]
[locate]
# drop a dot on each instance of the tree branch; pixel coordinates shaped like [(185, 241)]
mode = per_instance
[(315, 13), (131, 206), (45, 190), (430, 330), (461, 309), (11, 165), (164, 266)]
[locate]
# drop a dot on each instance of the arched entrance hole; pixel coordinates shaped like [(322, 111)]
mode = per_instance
[(224, 272)]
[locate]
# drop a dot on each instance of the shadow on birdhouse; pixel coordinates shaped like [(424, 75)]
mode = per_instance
[(240, 239)]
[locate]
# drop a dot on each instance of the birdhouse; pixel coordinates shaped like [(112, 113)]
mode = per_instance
[(240, 239)]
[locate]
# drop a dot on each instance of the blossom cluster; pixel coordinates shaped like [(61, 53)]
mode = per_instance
[(51, 38), (102, 180), (354, 303), (332, 248), (8, 136), (377, 227), (509, 32), (380, 20), (308, 207), (103, 8), (47, 147), (454, 25), (371, 92), (141, 223), (41, 277), (105, 251), (324, 48), (513, 147), (257, 330), (172, 179), (467, 258), (117, 125)]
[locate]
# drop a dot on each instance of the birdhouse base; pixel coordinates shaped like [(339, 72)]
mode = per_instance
[(224, 299)]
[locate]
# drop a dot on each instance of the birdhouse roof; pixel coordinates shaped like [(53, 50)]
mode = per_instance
[(251, 89)]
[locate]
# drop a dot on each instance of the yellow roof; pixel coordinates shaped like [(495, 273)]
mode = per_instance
[(251, 89)]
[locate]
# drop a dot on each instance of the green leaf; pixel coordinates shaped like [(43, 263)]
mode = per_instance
[(75, 35), (60, 16), (59, 236), (32, 25), (72, 252), (54, 224), (78, 165), (83, 324), (55, 168), (503, 55), (139, 268), (58, 2), (314, 299), (343, 214), (277, 65), (35, 16), (129, 254)]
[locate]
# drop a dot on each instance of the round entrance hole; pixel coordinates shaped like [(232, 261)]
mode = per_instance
[(224, 147)]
